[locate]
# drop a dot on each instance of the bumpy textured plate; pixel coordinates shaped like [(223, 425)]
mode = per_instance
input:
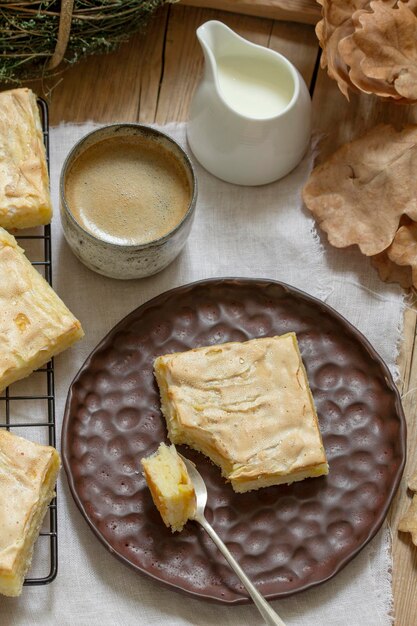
[(286, 538)]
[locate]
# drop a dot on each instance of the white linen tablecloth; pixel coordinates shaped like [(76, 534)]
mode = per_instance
[(238, 231)]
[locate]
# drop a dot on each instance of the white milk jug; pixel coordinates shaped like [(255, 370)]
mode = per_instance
[(250, 119)]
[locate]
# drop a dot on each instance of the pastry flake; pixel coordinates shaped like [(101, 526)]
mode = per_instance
[(24, 183), (170, 486), (28, 473), (34, 323), (248, 407)]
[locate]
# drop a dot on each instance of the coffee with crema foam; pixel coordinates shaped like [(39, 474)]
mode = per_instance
[(127, 190)]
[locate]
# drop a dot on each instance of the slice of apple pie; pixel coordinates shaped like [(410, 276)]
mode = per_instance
[(28, 473), (170, 486), (34, 322), (248, 407), (24, 183)]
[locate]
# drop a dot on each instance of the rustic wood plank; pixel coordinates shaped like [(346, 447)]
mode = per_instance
[(297, 42), (130, 83), (404, 553), (183, 56), (183, 63), (120, 86), (303, 11), (342, 121), (349, 119)]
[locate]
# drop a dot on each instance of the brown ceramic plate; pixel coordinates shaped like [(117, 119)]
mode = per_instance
[(287, 538)]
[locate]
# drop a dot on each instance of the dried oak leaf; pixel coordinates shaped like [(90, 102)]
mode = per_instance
[(408, 523), (353, 58), (389, 272), (403, 250), (336, 25), (360, 193), (382, 51), (370, 46)]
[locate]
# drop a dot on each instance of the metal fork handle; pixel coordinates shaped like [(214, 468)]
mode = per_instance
[(264, 608)]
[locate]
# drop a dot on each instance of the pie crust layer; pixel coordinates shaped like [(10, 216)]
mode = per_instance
[(24, 183), (34, 322), (28, 473), (248, 407), (170, 486)]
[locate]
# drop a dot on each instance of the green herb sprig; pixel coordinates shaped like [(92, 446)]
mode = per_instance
[(29, 31)]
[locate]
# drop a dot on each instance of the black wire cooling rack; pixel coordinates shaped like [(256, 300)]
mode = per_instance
[(12, 402)]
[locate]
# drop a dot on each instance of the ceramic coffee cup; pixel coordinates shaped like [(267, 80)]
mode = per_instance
[(114, 256)]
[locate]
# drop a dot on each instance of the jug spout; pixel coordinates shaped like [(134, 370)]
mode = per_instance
[(215, 36), (216, 40)]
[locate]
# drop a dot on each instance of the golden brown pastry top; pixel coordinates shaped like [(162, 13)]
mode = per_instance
[(248, 403), (34, 322), (24, 468), (24, 183)]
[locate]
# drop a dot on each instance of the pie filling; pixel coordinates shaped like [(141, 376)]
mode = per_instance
[(170, 486)]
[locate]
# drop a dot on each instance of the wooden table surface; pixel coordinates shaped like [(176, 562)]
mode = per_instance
[(152, 78)]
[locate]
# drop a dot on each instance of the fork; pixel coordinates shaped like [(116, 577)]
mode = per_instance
[(264, 608)]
